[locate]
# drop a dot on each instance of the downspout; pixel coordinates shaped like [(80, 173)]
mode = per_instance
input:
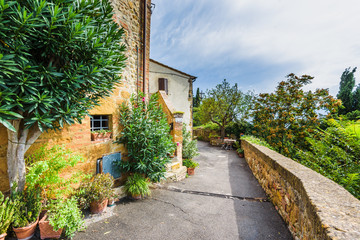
[(144, 45)]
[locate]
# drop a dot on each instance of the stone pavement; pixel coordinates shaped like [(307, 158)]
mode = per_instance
[(221, 201)]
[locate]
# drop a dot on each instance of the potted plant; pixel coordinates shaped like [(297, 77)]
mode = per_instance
[(137, 186), (96, 192), (7, 210), (103, 134), (191, 165), (27, 212), (112, 199), (59, 215), (240, 152)]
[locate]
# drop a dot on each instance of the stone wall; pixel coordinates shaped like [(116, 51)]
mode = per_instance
[(129, 15), (313, 206), (203, 134)]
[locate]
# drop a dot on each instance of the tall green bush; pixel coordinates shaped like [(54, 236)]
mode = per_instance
[(190, 149), (146, 135)]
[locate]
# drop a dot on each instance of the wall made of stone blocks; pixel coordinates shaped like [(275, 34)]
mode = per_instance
[(128, 14), (314, 207), (203, 134)]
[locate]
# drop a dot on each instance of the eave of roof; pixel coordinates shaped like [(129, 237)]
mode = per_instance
[(173, 69)]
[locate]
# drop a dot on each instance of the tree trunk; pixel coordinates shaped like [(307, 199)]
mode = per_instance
[(18, 143), (222, 129)]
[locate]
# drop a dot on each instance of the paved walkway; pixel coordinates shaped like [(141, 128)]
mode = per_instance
[(221, 201)]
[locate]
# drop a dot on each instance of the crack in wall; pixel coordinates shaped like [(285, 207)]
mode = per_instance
[(227, 196)]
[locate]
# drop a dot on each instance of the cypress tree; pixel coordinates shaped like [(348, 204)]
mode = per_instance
[(346, 95)]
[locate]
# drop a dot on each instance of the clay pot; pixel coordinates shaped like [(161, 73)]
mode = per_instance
[(191, 171), (241, 155), (27, 232), (111, 202), (2, 236), (46, 230), (136, 196), (98, 206)]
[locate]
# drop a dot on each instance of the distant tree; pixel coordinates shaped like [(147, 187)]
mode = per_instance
[(58, 59), (224, 104), (285, 117), (197, 99), (346, 94), (356, 99)]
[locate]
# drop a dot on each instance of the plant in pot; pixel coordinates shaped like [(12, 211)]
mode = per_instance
[(240, 152), (191, 165), (26, 215), (137, 186), (45, 172), (96, 192), (103, 134), (7, 210), (112, 199), (61, 214)]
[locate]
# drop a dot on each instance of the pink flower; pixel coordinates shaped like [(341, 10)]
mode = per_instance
[(143, 99), (177, 144)]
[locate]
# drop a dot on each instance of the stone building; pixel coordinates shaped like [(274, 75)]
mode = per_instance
[(134, 17), (178, 87)]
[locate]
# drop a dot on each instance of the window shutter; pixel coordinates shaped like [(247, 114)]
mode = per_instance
[(163, 85)]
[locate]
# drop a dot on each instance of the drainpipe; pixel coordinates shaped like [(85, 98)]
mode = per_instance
[(144, 45)]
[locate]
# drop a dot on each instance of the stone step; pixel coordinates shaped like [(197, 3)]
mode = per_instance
[(176, 174)]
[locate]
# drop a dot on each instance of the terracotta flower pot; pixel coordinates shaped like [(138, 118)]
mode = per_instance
[(111, 202), (98, 206), (136, 196), (27, 232), (46, 230), (2, 236), (191, 171)]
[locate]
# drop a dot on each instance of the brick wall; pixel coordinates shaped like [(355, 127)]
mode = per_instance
[(313, 206), (129, 15)]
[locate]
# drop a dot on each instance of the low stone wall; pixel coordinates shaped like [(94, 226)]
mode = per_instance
[(313, 206), (203, 134)]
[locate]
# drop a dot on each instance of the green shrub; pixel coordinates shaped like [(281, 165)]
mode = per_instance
[(7, 210), (65, 214), (45, 167), (256, 140), (236, 128), (190, 149), (28, 208), (334, 153), (146, 135), (189, 163), (96, 189), (137, 185)]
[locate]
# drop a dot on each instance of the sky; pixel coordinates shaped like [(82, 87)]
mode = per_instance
[(256, 43)]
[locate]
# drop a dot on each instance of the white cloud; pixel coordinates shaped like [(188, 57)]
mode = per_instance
[(319, 38)]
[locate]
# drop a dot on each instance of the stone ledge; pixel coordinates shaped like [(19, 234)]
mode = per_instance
[(312, 205)]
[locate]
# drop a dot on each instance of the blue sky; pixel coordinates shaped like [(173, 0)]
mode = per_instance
[(256, 43)]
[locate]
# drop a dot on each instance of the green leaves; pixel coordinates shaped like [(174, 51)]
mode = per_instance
[(224, 104), (146, 136), (56, 55)]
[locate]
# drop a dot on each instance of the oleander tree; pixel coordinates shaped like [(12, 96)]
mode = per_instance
[(285, 117), (58, 58)]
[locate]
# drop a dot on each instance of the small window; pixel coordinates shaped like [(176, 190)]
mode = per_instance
[(163, 85), (99, 122)]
